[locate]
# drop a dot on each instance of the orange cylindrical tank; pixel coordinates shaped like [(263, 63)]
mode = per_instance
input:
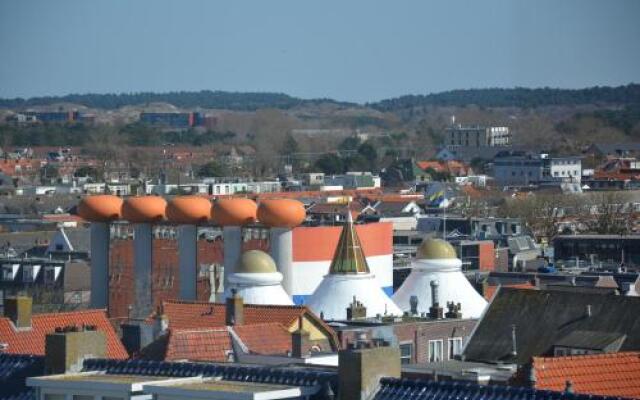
[(100, 208), (189, 210), (281, 213), (144, 209), (234, 212)]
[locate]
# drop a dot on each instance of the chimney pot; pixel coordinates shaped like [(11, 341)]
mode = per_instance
[(65, 351), (19, 310), (234, 309)]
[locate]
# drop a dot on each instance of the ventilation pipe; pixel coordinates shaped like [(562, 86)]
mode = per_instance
[(188, 212), (101, 211), (143, 212), (282, 215), (231, 215)]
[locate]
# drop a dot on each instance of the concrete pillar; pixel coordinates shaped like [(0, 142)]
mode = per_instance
[(232, 240), (142, 268), (281, 248), (188, 261), (100, 264)]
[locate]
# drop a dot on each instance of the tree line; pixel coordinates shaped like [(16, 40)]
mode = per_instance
[(241, 101), (251, 101), (516, 97)]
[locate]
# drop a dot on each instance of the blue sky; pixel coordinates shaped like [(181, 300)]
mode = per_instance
[(347, 50)]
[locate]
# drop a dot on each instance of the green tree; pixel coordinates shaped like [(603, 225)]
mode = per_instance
[(211, 169), (330, 164), (369, 152), (350, 143), (86, 171)]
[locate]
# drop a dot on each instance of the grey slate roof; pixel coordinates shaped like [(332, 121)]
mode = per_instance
[(397, 389), (14, 369), (592, 340), (543, 317)]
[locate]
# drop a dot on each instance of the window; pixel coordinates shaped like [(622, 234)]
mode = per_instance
[(7, 273), (27, 273), (49, 275), (455, 347), (435, 351), (406, 353)]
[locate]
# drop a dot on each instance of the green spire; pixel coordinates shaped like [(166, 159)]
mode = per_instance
[(349, 258)]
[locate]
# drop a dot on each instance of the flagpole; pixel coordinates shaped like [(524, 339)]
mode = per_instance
[(444, 214)]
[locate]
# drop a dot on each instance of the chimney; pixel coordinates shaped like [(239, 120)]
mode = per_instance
[(67, 348), (18, 309), (300, 342), (435, 311), (360, 369), (453, 310), (356, 310), (235, 309), (568, 387), (413, 302), (530, 369), (514, 344)]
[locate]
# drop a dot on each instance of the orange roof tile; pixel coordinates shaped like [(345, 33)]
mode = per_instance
[(614, 374), (193, 315), (268, 339), (198, 315), (211, 344), (215, 344), (31, 341)]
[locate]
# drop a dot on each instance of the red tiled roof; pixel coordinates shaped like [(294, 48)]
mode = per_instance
[(199, 315), (615, 374), (194, 315), (212, 344), (265, 338), (215, 344), (31, 341)]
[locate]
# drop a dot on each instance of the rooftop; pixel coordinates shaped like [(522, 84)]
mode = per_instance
[(544, 317), (615, 374), (32, 340)]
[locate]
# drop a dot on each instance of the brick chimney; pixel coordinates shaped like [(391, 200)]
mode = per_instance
[(300, 342), (435, 311), (67, 348), (454, 311), (18, 309), (235, 309), (356, 310), (361, 366)]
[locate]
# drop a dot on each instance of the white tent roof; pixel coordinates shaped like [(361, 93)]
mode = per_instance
[(336, 292), (453, 286)]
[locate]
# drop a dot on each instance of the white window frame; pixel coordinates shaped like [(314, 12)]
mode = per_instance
[(410, 356), (431, 358), (450, 341)]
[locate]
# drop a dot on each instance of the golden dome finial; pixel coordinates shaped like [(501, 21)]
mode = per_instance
[(434, 249), (255, 261)]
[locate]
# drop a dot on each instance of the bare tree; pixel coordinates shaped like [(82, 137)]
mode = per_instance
[(608, 213)]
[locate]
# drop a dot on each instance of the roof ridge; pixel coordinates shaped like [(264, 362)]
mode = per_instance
[(63, 314), (580, 357), (197, 330), (187, 302)]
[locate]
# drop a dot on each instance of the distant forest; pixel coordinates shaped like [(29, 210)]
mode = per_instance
[(517, 97), (204, 98)]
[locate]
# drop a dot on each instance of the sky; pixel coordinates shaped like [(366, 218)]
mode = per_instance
[(347, 50)]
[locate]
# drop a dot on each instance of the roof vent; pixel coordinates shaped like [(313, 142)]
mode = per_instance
[(588, 310), (514, 348)]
